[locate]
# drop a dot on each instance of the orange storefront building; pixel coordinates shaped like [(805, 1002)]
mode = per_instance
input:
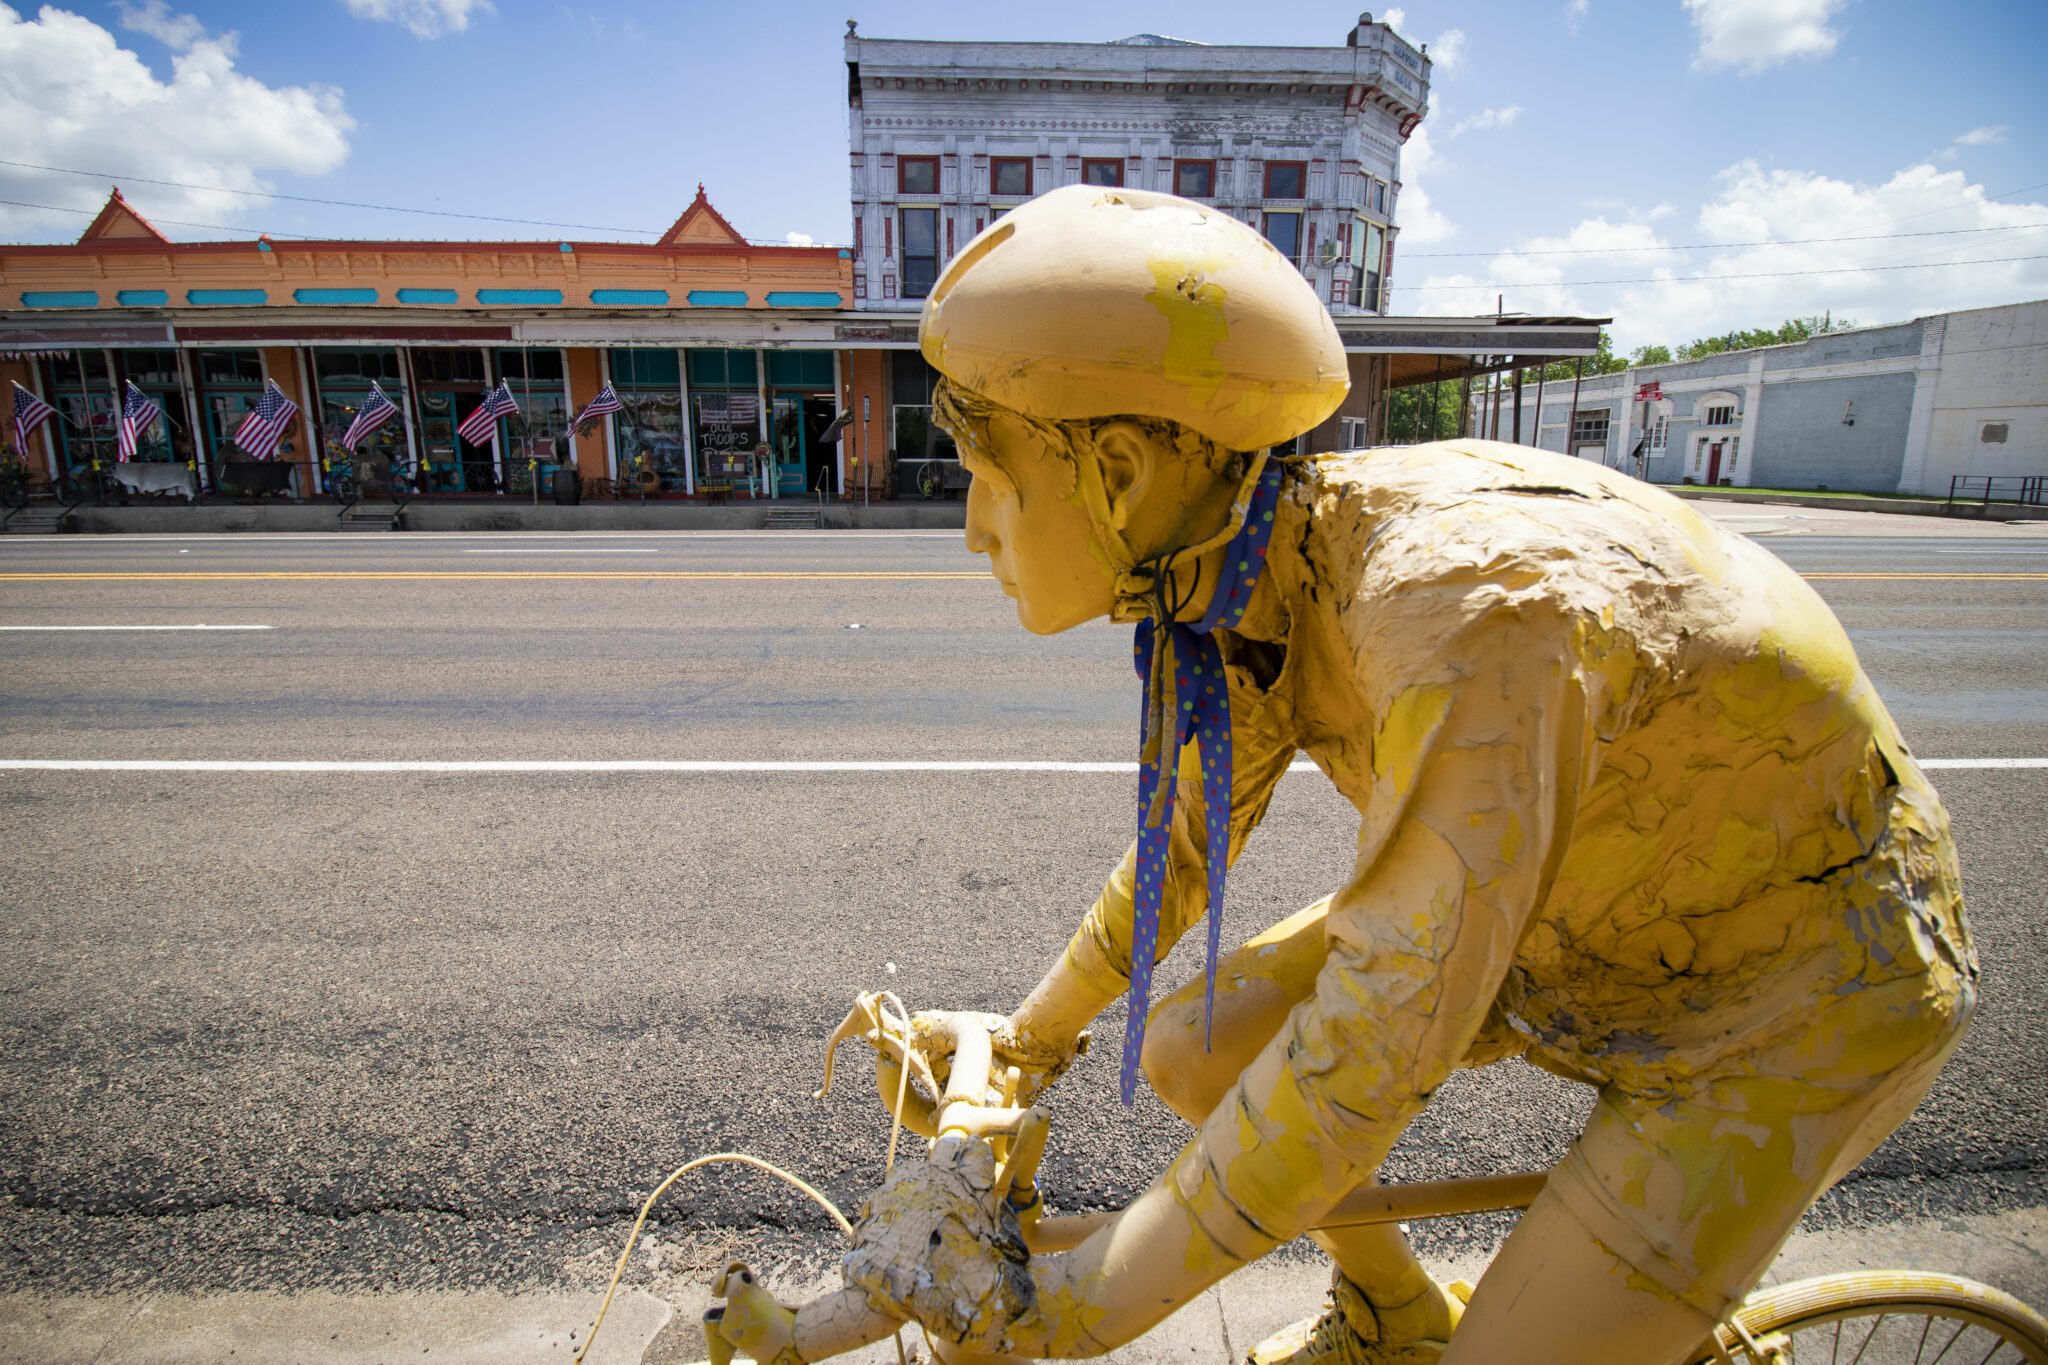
[(714, 345)]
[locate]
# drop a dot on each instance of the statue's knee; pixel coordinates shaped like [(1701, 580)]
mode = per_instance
[(1175, 1064)]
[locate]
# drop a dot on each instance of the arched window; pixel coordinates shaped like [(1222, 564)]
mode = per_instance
[(1717, 409)]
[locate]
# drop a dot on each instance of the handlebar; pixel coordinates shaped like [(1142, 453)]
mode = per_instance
[(974, 1103)]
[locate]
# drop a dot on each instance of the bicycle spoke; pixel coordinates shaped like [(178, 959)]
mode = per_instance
[(1876, 1327), (1926, 1328), (1836, 1354), (1996, 1342), (1960, 1329)]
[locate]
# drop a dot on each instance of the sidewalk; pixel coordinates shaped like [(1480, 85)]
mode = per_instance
[(2008, 1250), (511, 514)]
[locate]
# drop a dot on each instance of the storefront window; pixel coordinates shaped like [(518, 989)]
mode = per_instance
[(78, 386), (648, 433), (725, 416), (230, 382), (728, 428), (918, 439), (155, 372), (344, 377), (535, 441)]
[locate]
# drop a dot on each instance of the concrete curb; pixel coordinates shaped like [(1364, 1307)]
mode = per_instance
[(1911, 507), (2007, 1250)]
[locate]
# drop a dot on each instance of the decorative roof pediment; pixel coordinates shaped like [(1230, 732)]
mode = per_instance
[(119, 219), (702, 225)]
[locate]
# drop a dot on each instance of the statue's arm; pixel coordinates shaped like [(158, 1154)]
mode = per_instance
[(1481, 744), (1095, 967)]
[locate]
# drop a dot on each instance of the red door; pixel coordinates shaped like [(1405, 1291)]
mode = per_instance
[(1714, 463)]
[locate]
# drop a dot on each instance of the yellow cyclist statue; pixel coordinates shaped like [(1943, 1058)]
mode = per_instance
[(1628, 805)]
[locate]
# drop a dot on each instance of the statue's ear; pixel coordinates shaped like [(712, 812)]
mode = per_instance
[(1124, 451)]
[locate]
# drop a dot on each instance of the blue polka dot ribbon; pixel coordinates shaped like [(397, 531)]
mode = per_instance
[(1186, 700)]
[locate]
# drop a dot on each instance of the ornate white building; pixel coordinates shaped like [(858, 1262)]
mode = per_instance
[(1303, 143)]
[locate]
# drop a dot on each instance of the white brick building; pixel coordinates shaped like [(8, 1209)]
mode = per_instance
[(1932, 406), (1302, 143)]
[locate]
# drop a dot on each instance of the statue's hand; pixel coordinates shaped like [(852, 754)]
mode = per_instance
[(1041, 1061), (934, 1245)]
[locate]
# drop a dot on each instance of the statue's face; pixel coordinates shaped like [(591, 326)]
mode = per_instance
[(1024, 514)]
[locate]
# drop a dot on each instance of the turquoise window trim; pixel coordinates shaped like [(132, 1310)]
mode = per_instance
[(334, 296), (718, 298), (59, 298), (225, 298), (656, 368), (629, 298), (797, 298), (800, 370), (429, 296), (142, 298), (519, 296), (716, 367)]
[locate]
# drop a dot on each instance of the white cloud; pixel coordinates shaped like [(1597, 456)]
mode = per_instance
[(423, 18), (155, 18), (1689, 294), (1984, 137), (799, 239), (1575, 12), (1449, 50), (1756, 34), (1395, 19), (1420, 221), (73, 96), (1487, 119)]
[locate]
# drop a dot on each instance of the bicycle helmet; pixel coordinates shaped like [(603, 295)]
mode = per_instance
[(1092, 301)]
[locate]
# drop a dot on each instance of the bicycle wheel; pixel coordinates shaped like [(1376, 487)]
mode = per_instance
[(1889, 1317), (931, 479)]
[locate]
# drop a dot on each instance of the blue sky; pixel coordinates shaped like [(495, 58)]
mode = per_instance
[(1570, 142)]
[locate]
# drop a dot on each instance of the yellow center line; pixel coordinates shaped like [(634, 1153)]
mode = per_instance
[(467, 575)]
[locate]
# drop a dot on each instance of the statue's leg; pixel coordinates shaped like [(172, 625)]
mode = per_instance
[(1668, 1211), (1256, 986)]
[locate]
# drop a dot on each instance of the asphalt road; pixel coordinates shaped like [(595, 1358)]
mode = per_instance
[(444, 1029)]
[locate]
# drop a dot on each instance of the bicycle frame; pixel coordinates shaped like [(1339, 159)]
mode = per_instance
[(976, 1105)]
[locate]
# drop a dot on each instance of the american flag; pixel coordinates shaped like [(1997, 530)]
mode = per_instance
[(482, 425), (604, 405), (729, 409), (30, 412), (375, 412), (138, 414), (265, 424)]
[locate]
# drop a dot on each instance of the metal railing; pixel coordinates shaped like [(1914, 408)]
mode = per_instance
[(2030, 489)]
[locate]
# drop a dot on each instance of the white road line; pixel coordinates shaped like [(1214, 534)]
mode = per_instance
[(564, 550), (675, 765), (51, 628)]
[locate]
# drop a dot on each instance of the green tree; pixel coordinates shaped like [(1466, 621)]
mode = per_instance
[(1651, 355), (1602, 361), (1790, 330), (1408, 413)]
